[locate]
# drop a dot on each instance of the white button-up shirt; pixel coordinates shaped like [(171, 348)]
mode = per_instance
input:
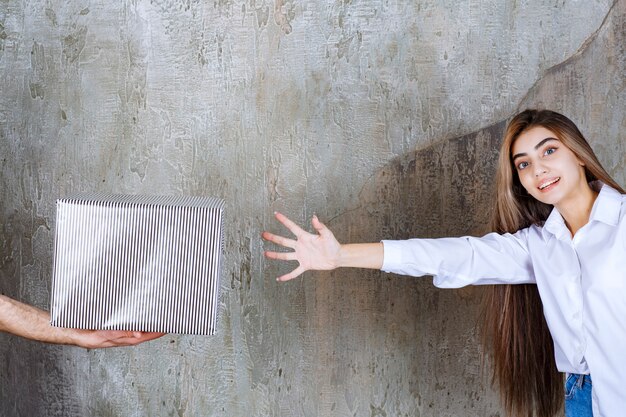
[(582, 283)]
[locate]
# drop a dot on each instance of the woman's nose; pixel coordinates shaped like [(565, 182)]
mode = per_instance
[(540, 169)]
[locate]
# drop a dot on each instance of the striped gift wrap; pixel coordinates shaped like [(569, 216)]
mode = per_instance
[(139, 263)]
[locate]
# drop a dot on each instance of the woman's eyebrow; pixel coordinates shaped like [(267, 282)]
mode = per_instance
[(537, 146)]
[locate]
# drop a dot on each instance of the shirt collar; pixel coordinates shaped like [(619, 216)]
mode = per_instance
[(607, 206), (606, 209), (554, 225)]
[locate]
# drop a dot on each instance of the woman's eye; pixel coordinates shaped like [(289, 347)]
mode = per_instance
[(550, 151), (522, 165)]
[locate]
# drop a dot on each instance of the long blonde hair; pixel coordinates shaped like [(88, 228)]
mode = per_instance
[(515, 332)]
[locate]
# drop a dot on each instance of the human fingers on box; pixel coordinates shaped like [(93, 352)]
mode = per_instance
[(94, 339)]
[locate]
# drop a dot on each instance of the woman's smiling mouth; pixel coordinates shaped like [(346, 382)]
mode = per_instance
[(547, 184)]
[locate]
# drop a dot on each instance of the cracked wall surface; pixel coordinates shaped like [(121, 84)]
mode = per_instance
[(382, 117)]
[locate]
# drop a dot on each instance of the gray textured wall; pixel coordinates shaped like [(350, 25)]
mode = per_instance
[(383, 117)]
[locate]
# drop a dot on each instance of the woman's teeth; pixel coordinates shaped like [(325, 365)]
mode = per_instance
[(546, 184)]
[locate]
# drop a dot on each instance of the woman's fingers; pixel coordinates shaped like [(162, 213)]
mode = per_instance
[(293, 228), (319, 226), (312, 251), (296, 272), (281, 256), (285, 256), (279, 240), (286, 242)]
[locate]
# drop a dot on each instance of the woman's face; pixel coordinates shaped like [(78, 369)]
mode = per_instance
[(548, 170)]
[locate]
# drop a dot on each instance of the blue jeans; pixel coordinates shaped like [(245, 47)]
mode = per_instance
[(578, 396)]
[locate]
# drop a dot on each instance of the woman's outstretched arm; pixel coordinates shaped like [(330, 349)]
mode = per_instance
[(321, 251), (453, 262)]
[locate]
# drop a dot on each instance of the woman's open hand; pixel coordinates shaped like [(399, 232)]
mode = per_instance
[(312, 251)]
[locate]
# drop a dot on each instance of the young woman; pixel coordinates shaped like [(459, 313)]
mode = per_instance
[(559, 235)]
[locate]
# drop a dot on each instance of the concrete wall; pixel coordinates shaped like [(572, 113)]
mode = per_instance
[(383, 117)]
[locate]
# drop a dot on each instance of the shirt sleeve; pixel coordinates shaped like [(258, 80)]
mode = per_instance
[(457, 262)]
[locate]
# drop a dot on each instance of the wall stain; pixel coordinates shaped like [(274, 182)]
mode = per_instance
[(39, 69), (73, 44), (52, 16), (284, 14), (262, 14)]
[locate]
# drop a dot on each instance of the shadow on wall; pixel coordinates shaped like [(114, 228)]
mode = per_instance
[(443, 190), (390, 338)]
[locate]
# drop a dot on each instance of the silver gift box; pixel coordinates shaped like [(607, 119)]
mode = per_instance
[(140, 263)]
